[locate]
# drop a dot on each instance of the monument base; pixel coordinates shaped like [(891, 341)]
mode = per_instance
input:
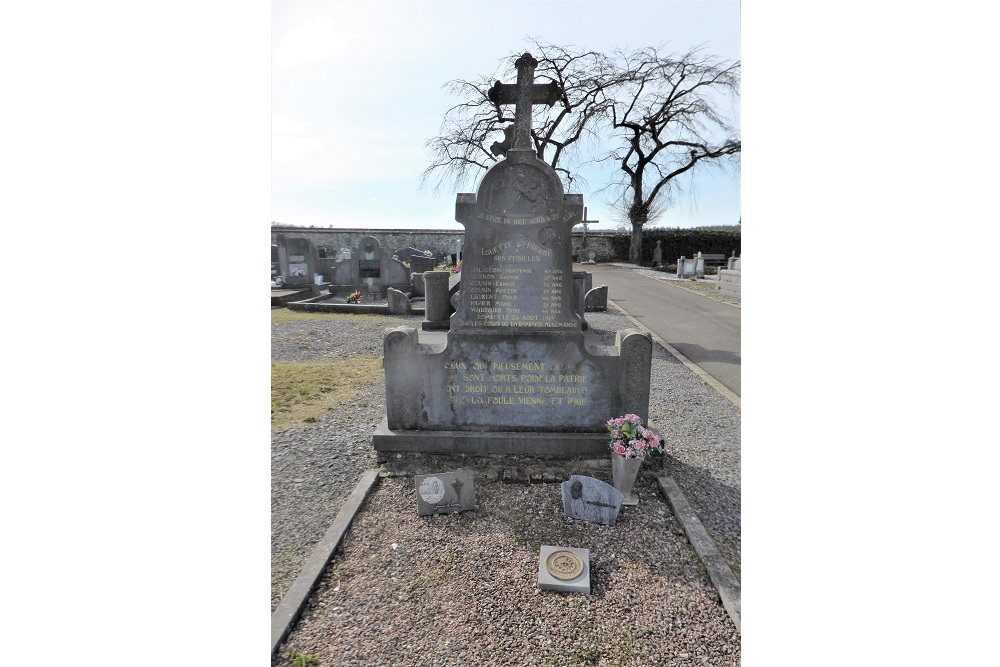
[(570, 445), (429, 325)]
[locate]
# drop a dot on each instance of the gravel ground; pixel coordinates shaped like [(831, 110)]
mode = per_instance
[(460, 589)]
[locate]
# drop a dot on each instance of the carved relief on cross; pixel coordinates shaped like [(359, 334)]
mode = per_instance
[(523, 94)]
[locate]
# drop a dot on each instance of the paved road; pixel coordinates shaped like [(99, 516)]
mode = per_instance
[(704, 330)]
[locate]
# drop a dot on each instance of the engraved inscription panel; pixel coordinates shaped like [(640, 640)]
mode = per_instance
[(517, 270)]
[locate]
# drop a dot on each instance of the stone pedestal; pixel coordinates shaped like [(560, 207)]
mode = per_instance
[(437, 303)]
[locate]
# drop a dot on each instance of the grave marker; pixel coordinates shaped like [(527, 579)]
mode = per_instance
[(440, 493), (590, 499), (564, 569), (516, 375)]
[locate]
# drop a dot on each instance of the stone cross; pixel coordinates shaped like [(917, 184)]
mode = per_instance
[(523, 94)]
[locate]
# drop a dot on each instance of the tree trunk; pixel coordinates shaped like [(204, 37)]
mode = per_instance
[(637, 215)]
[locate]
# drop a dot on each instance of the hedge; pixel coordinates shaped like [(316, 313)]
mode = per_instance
[(677, 243)]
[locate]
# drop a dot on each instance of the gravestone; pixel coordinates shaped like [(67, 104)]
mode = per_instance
[(421, 263), (455, 251), (590, 499), (583, 282), (369, 269), (298, 260), (406, 253), (399, 303), (440, 493), (514, 374), (691, 268), (564, 569), (729, 278), (658, 254), (596, 300)]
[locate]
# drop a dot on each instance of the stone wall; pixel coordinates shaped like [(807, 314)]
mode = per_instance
[(437, 241), (332, 240)]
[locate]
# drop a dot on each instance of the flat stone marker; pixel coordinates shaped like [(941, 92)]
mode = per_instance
[(590, 499), (445, 492), (564, 569)]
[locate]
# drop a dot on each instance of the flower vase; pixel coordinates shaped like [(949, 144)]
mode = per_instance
[(624, 470)]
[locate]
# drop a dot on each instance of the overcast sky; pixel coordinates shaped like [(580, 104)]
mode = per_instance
[(357, 91)]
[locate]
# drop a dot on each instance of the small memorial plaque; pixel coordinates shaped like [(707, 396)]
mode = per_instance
[(445, 492), (590, 499), (564, 569)]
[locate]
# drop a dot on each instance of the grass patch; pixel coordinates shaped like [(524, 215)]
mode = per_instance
[(302, 392)]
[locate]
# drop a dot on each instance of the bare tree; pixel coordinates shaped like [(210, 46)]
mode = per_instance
[(666, 121), (658, 113), (468, 142)]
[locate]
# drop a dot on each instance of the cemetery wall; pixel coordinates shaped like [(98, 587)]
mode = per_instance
[(329, 241), (608, 246)]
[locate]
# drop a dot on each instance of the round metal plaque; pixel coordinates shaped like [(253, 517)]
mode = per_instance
[(564, 565)]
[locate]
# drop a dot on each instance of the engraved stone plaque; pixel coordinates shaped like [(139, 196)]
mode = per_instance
[(565, 569), (445, 492), (590, 499)]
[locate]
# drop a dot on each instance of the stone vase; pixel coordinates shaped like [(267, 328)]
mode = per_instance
[(624, 470)]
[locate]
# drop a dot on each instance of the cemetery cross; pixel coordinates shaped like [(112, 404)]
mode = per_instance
[(523, 94)]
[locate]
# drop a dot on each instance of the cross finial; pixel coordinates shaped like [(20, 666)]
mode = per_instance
[(523, 94)]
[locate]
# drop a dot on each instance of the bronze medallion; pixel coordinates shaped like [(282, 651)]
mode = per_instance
[(564, 565)]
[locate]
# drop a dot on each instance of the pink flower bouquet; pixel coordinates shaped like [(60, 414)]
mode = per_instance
[(630, 439)]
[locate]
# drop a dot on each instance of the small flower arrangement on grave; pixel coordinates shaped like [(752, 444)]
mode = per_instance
[(354, 297), (629, 438)]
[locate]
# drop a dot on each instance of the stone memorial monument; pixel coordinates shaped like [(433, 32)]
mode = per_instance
[(516, 374)]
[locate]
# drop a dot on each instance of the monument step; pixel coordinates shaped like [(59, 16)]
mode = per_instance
[(528, 443)]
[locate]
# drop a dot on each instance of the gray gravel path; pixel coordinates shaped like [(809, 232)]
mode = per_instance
[(315, 468)]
